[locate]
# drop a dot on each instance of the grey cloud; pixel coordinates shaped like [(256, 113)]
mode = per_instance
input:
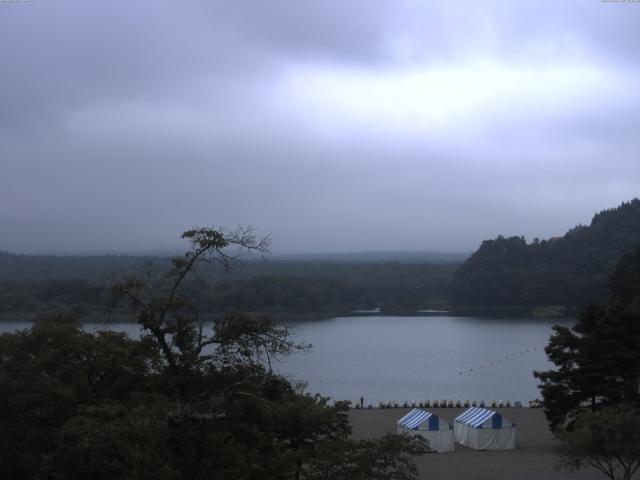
[(123, 123)]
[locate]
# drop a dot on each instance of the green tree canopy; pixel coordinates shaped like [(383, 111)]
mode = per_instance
[(598, 359), (185, 401), (569, 270), (608, 440)]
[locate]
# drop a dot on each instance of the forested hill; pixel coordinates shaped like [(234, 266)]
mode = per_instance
[(18, 268), (569, 270), (36, 285)]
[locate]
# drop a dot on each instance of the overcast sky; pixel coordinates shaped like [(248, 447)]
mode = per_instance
[(338, 125)]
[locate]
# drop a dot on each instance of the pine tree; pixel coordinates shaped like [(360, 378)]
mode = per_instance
[(598, 359)]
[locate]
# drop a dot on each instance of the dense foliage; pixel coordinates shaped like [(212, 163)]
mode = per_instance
[(275, 287), (181, 402), (37, 268), (598, 359), (607, 439), (571, 270), (289, 294)]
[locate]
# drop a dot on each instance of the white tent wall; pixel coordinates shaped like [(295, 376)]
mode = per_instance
[(483, 429), (486, 438), (435, 430)]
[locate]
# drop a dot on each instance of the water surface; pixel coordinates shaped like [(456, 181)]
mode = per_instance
[(410, 358), (417, 358)]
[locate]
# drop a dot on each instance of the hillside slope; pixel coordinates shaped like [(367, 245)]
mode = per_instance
[(571, 270)]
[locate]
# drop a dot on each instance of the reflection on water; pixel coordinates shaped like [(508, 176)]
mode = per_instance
[(411, 358)]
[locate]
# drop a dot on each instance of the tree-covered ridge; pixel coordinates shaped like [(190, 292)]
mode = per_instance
[(598, 358), (185, 401), (289, 294), (35, 268), (65, 283), (592, 396), (569, 270)]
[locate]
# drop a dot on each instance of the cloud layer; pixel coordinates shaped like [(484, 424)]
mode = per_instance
[(334, 126)]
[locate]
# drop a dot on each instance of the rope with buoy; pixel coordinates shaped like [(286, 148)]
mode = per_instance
[(499, 360)]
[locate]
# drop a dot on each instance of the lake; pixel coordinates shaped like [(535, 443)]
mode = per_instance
[(411, 358)]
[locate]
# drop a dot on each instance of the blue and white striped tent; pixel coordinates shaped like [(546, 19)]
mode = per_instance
[(484, 429), (430, 426)]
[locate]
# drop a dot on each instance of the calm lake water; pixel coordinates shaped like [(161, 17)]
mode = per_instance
[(411, 358)]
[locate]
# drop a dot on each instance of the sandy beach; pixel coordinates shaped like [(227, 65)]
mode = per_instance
[(534, 459)]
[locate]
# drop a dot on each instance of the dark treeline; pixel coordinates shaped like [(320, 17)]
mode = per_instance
[(289, 294), (505, 272), (38, 284), (185, 401), (569, 270), (394, 287), (591, 397), (598, 360), (22, 268), (50, 295)]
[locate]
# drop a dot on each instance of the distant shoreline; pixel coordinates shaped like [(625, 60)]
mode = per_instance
[(548, 312)]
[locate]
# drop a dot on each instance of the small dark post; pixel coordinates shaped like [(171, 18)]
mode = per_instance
[(361, 402)]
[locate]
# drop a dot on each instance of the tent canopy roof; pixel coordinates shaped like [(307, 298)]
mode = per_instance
[(415, 418), (476, 417)]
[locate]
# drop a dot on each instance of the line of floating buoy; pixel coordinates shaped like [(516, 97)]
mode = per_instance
[(453, 404), (500, 360)]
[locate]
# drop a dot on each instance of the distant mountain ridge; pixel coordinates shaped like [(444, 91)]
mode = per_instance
[(570, 270), (399, 256), (40, 267), (22, 267), (36, 285)]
